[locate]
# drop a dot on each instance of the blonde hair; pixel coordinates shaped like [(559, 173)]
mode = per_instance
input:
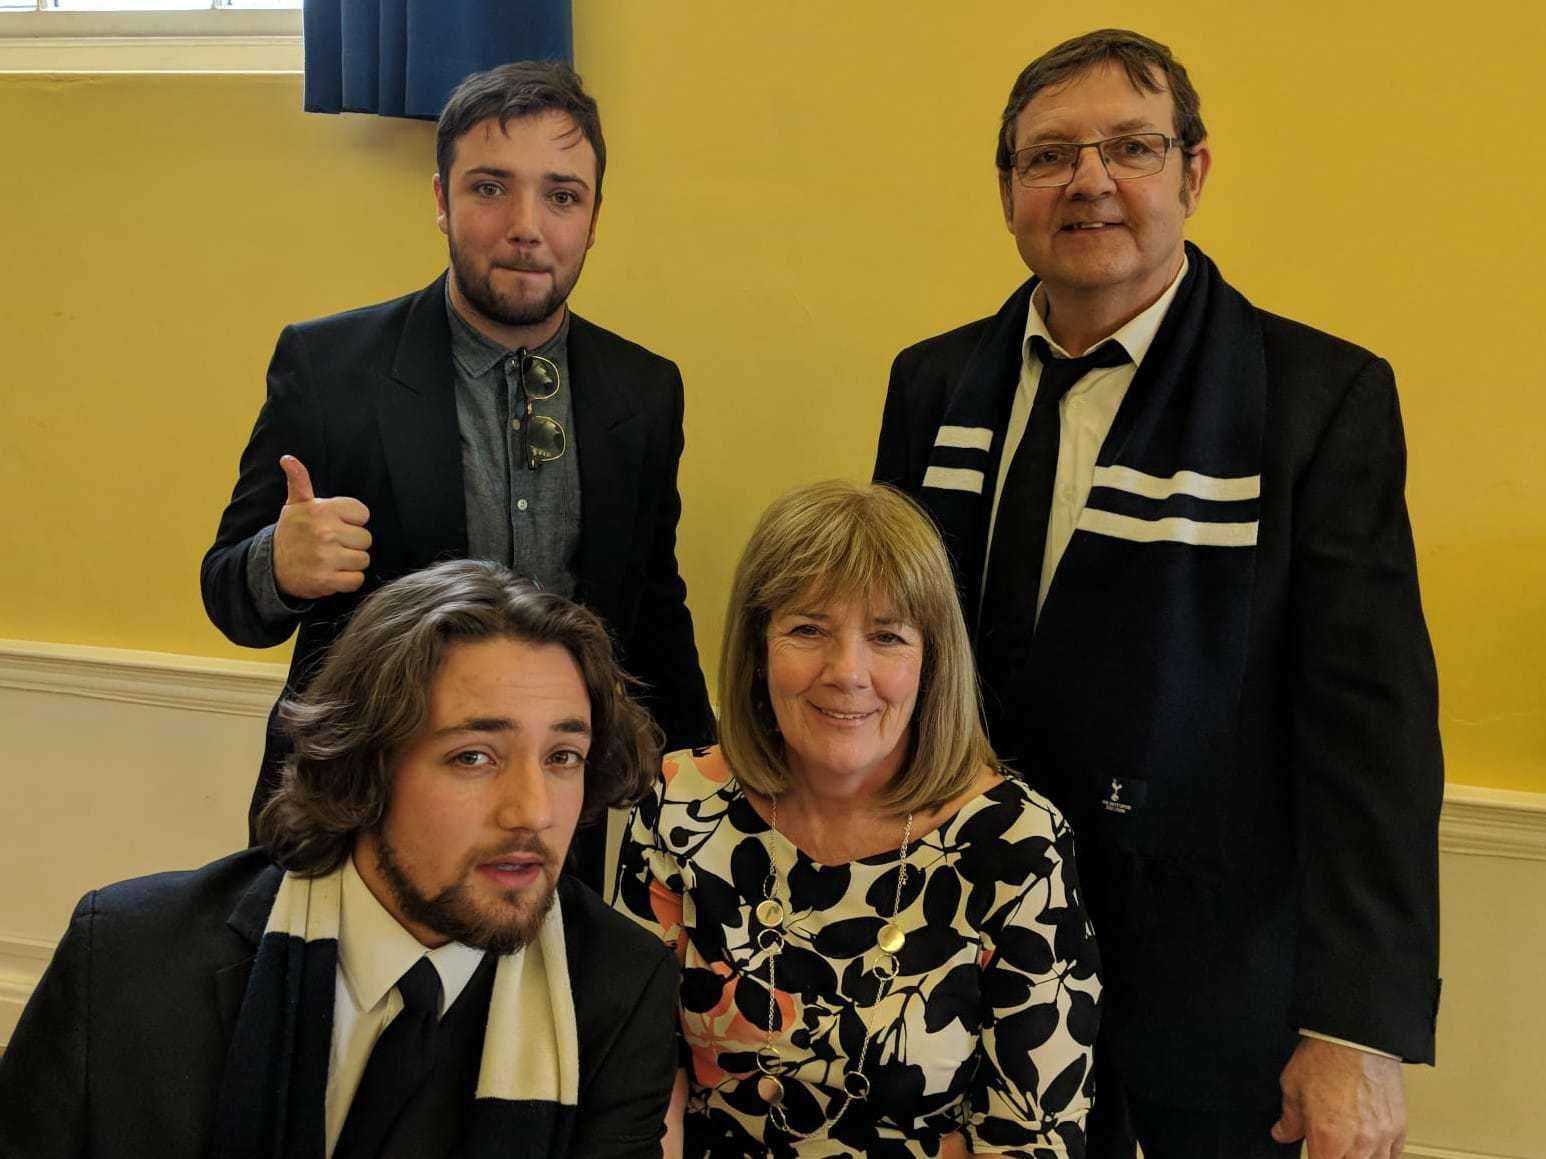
[(839, 540)]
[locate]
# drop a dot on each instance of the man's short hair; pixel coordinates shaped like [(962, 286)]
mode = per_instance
[(1149, 66), (525, 88), (371, 697)]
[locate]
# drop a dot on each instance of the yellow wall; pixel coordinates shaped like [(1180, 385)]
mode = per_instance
[(796, 191)]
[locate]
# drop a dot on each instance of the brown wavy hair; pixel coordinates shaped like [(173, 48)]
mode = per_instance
[(371, 696)]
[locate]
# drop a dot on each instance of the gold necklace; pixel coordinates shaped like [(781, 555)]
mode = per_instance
[(889, 941)]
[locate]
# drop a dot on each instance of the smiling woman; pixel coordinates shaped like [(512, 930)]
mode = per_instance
[(881, 947), (867, 552), (842, 676)]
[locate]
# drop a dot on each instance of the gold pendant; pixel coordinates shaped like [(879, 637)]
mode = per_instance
[(770, 1090), (770, 912), (890, 938)]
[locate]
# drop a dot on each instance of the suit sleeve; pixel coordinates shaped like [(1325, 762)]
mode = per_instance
[(287, 424), (663, 653), (623, 1109), (893, 449), (43, 1070), (1367, 764)]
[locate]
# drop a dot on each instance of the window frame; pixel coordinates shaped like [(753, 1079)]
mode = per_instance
[(190, 40)]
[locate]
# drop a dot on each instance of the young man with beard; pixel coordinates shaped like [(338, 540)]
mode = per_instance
[(478, 417), (1181, 541), (410, 975)]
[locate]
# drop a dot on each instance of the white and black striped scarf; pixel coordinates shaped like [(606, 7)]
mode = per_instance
[(1161, 565), (273, 1092), (1182, 462)]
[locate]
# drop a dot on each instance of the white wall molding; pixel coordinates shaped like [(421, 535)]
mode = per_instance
[(1493, 823), (158, 679), (1477, 821), (22, 962), (224, 40), (151, 54)]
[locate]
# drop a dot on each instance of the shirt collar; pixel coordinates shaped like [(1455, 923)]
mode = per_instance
[(1135, 336), (477, 354), (374, 951)]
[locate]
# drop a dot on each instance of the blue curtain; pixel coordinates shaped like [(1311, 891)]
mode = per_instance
[(402, 58)]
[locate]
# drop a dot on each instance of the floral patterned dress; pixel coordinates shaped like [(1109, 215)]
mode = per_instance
[(987, 1028)]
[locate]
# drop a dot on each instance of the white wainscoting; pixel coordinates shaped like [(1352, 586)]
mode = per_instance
[(113, 764), (117, 763)]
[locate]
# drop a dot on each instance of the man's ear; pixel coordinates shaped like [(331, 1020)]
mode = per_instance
[(442, 209), (1007, 201), (1193, 175), (595, 215)]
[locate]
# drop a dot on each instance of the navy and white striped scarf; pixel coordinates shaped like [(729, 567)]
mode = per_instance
[(272, 1097), (1182, 462), (1161, 566)]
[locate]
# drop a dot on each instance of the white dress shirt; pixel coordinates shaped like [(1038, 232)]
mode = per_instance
[(1085, 415), (374, 951)]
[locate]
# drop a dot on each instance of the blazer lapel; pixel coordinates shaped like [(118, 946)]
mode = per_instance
[(610, 443), (417, 417), (981, 397), (248, 919)]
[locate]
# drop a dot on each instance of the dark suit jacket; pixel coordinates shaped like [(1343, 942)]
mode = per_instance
[(1283, 874), (366, 399), (120, 1051)]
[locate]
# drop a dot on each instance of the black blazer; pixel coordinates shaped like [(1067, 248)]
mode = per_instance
[(366, 399), (121, 1048), (1299, 889)]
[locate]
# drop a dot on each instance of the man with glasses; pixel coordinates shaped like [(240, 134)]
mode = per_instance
[(477, 417), (1182, 545)]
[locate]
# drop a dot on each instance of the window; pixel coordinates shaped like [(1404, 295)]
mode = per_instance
[(138, 5), (150, 35)]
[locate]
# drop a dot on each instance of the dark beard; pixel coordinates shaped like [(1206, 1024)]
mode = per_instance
[(479, 292), (453, 914)]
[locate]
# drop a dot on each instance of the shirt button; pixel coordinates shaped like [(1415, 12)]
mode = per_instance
[(515, 424), (520, 505)]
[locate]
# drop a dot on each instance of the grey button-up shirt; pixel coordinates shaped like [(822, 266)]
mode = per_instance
[(527, 519)]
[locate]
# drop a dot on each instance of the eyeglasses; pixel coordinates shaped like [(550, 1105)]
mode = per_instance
[(1053, 163), (542, 438)]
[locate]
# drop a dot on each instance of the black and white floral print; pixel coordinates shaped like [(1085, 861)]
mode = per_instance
[(987, 1028)]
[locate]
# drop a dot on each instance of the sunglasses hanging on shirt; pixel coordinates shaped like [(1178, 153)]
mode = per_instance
[(542, 438)]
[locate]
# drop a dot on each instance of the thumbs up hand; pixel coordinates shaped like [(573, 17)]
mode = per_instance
[(321, 546)]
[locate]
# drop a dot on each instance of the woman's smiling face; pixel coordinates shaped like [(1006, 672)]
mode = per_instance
[(843, 680)]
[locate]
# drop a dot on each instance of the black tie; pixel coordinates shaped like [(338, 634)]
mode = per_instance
[(1008, 616), (403, 1056)]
